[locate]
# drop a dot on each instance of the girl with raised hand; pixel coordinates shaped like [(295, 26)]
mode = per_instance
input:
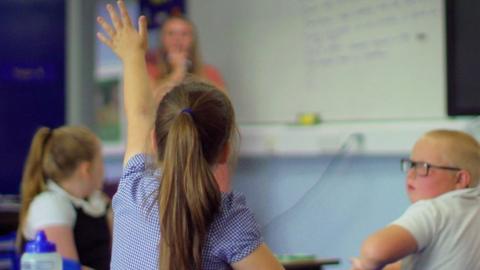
[(175, 217)]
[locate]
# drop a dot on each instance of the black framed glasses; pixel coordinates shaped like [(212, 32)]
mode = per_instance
[(422, 168)]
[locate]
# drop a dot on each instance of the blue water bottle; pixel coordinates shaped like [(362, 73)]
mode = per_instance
[(40, 254)]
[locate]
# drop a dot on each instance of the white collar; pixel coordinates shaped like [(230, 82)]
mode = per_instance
[(95, 205)]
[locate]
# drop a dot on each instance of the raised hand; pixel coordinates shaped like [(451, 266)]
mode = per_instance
[(130, 45), (121, 36)]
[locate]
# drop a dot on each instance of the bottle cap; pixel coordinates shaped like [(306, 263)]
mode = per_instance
[(40, 244), (71, 264)]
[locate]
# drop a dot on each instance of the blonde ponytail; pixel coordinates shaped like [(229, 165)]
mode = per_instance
[(33, 178)]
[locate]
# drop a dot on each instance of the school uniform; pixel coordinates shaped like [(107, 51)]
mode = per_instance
[(87, 218), (446, 229), (233, 233)]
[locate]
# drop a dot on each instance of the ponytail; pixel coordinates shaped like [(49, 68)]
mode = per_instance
[(193, 126), (33, 178), (189, 197)]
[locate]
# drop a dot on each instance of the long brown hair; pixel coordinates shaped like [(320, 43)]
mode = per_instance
[(54, 154), (194, 124), (195, 57)]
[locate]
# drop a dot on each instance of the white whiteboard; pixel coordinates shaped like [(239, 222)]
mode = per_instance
[(342, 59)]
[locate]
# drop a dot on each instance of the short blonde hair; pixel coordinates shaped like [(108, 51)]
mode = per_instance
[(460, 149)]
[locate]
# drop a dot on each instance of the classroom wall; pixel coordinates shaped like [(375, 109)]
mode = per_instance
[(323, 205)]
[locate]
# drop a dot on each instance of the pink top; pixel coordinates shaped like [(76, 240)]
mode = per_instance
[(213, 75)]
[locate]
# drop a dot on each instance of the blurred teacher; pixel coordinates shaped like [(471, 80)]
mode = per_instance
[(179, 55)]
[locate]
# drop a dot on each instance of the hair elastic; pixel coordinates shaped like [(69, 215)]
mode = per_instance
[(187, 110)]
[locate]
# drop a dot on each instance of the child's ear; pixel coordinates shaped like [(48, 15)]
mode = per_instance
[(463, 179), (84, 169)]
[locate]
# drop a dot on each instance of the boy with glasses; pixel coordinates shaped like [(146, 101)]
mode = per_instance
[(441, 229)]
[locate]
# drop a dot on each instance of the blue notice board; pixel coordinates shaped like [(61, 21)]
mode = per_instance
[(32, 79), (157, 11)]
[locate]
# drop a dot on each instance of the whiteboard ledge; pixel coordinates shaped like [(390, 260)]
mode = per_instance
[(375, 138)]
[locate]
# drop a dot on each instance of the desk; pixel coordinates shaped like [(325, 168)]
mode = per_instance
[(316, 264)]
